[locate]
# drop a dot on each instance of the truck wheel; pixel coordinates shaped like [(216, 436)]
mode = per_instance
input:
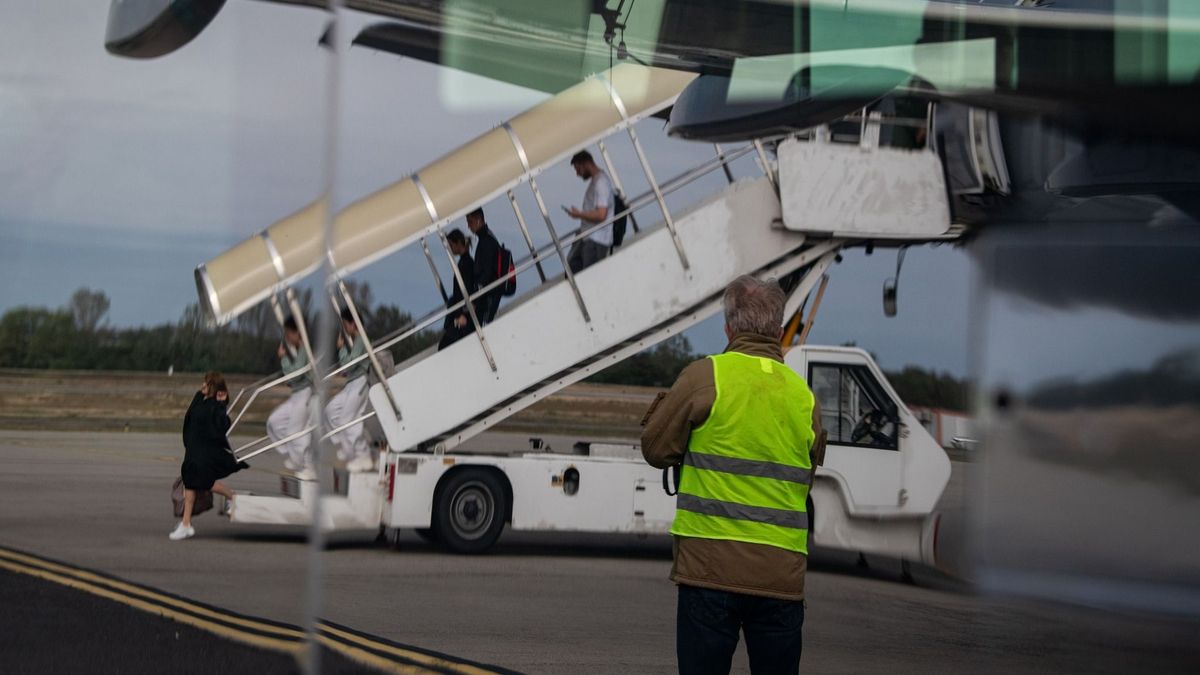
[(469, 511)]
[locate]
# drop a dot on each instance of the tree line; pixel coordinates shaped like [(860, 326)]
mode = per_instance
[(77, 337)]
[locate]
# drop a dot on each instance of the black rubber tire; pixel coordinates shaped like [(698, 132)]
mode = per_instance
[(469, 510), (428, 534)]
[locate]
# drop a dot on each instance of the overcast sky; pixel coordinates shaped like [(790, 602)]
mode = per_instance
[(123, 175)]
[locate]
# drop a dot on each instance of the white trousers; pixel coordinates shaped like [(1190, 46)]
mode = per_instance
[(349, 404), (290, 418)]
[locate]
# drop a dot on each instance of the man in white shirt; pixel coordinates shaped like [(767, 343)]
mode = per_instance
[(596, 208)]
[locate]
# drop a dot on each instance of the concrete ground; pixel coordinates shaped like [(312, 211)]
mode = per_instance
[(537, 603)]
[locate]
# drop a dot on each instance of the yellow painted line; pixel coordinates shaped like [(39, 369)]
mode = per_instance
[(275, 644), (135, 590), (127, 594), (365, 657), (431, 661)]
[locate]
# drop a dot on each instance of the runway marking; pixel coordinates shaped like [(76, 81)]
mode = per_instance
[(370, 650), (130, 590)]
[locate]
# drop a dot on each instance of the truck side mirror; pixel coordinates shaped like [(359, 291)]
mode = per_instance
[(889, 286), (889, 298)]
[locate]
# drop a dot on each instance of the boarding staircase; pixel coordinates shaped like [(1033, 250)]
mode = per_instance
[(666, 277)]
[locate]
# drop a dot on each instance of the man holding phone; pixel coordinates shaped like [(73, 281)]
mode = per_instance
[(597, 206)]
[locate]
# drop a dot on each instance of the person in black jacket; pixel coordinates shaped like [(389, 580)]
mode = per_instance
[(458, 324), (207, 457), (487, 266)]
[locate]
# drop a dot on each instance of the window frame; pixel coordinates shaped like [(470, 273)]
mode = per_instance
[(868, 385)]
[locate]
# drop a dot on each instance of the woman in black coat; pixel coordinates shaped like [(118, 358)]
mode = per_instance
[(207, 457)]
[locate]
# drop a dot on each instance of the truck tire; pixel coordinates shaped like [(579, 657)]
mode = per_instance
[(469, 510)]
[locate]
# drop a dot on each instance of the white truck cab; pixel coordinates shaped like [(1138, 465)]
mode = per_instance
[(883, 472)]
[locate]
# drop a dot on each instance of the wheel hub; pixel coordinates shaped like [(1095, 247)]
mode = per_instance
[(471, 511)]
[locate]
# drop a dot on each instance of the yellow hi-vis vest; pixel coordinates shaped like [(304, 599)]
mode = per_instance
[(747, 470)]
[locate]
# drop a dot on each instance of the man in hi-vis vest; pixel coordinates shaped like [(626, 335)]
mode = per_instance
[(747, 431)]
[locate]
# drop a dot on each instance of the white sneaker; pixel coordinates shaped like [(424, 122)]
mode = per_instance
[(306, 473), (360, 464), (182, 532), (290, 465)]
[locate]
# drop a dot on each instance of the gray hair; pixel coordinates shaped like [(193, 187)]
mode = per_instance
[(753, 306)]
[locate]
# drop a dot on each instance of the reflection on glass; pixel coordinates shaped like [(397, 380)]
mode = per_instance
[(1092, 378), (142, 139)]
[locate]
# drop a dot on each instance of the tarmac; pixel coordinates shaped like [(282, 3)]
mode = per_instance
[(47, 627), (536, 603)]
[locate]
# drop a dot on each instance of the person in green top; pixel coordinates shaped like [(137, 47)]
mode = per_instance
[(292, 416), (351, 401)]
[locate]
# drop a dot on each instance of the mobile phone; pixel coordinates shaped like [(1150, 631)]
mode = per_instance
[(565, 209)]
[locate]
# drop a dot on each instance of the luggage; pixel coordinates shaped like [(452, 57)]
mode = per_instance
[(204, 499)]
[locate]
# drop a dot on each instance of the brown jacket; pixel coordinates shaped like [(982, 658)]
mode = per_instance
[(740, 567)]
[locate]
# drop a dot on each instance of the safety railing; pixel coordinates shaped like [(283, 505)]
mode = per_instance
[(557, 248)]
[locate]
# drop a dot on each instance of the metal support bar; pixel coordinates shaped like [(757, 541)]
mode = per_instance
[(277, 309), (814, 273), (541, 204), (724, 164), (765, 164), (277, 381), (562, 256), (252, 443), (467, 299), (358, 420), (616, 181), (362, 333), (869, 131), (433, 268), (812, 312), (525, 233), (641, 155), (662, 202), (276, 444), (931, 126), (294, 305), (253, 385)]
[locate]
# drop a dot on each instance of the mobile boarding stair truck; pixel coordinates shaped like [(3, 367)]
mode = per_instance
[(883, 472)]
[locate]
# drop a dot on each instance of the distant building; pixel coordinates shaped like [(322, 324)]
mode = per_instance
[(950, 428)]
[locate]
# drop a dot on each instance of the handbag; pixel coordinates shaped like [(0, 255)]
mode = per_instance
[(204, 499)]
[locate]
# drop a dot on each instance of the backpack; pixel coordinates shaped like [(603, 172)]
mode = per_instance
[(619, 206), (504, 265)]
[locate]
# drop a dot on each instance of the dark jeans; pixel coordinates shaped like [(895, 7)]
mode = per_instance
[(584, 254), (485, 308), (706, 632), (452, 333)]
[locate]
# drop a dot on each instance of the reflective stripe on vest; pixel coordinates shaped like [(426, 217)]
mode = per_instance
[(747, 469)]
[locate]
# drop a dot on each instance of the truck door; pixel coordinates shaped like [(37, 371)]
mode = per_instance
[(861, 420)]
